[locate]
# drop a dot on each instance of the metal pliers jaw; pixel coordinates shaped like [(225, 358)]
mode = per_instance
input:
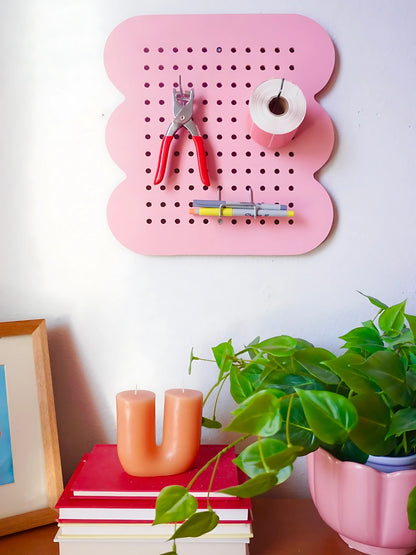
[(182, 109)]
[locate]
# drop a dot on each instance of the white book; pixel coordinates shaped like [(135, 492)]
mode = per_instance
[(130, 513), (237, 530), (129, 547)]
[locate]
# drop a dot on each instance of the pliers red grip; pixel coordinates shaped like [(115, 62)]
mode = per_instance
[(182, 109)]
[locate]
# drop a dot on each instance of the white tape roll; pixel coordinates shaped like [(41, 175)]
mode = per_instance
[(276, 110)]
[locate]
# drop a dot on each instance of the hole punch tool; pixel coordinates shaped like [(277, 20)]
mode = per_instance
[(182, 108)]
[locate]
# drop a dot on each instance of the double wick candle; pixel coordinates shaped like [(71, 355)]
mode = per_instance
[(137, 449)]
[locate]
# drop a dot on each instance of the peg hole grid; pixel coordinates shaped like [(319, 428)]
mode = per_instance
[(222, 92)]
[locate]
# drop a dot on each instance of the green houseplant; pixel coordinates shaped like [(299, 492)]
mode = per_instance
[(293, 398)]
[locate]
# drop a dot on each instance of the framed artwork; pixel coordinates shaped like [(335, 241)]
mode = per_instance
[(30, 464)]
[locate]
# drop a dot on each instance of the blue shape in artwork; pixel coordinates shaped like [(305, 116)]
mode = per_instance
[(6, 460)]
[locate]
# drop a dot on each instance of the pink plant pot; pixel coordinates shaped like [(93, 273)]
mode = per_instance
[(367, 508)]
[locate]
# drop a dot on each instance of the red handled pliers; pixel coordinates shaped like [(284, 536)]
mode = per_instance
[(182, 109)]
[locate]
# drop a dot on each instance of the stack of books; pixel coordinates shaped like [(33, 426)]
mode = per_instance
[(105, 511)]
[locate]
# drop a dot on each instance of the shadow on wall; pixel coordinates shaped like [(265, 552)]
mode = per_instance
[(79, 425)]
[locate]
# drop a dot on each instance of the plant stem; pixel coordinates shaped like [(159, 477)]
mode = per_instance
[(405, 446), (217, 456), (263, 460), (213, 388), (289, 410), (217, 460), (218, 396)]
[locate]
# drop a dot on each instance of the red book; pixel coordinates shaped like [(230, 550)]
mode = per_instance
[(103, 476), (135, 509)]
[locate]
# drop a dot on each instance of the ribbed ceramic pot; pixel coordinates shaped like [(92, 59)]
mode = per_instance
[(367, 507)]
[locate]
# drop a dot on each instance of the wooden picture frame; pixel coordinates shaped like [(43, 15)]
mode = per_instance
[(29, 501)]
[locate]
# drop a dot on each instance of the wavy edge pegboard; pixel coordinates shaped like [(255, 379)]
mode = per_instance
[(223, 57)]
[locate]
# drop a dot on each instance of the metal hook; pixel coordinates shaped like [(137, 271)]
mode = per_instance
[(250, 190), (220, 205), (281, 88), (255, 208)]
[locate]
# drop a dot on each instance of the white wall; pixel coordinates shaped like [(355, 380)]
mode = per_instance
[(117, 319)]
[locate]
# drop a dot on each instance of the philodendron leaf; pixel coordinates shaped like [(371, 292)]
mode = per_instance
[(363, 338), (411, 509), (251, 459), (222, 354), (196, 525), (391, 320), (210, 423), (347, 367), (260, 416), (299, 430), (348, 451), (387, 371), (411, 320), (283, 458), (254, 486), (249, 347), (240, 385), (373, 423), (402, 421), (281, 380), (374, 301), (310, 359), (402, 339), (282, 345), (253, 371), (330, 415), (174, 504)]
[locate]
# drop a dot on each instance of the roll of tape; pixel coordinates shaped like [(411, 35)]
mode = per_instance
[(277, 108)]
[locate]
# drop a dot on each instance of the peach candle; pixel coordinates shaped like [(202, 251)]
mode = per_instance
[(136, 440)]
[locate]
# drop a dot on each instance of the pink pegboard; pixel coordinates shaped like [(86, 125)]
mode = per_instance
[(224, 58)]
